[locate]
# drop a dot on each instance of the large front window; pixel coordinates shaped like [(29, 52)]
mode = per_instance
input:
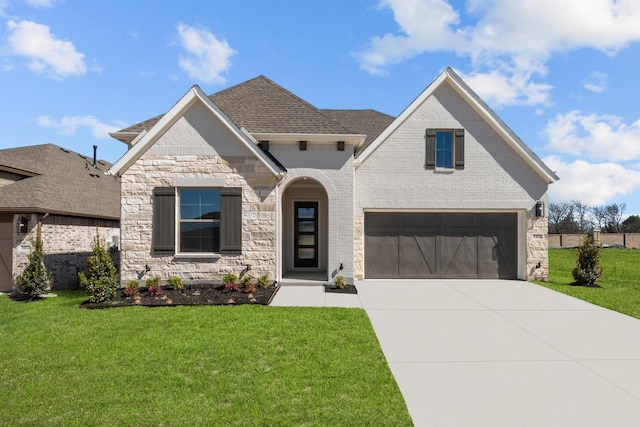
[(199, 220)]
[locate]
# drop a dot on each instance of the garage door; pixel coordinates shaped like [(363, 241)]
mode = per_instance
[(440, 245)]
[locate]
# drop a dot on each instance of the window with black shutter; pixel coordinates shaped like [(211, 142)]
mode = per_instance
[(209, 220), (444, 149)]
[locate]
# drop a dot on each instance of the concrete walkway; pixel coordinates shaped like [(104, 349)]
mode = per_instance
[(498, 353)]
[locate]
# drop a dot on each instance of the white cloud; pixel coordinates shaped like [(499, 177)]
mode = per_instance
[(596, 82), (46, 53), (522, 34), (591, 183), (41, 3), (598, 137), (207, 58), (68, 125), (508, 87)]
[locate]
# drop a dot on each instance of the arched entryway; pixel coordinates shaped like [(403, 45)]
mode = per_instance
[(305, 228)]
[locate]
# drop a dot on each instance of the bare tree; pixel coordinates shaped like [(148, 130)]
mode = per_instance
[(561, 218), (600, 216), (580, 213), (615, 213)]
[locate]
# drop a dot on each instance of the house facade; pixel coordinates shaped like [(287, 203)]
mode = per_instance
[(64, 196), (255, 177)]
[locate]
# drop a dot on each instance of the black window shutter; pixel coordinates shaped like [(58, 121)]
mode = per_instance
[(430, 138), (164, 223), (231, 221), (459, 149)]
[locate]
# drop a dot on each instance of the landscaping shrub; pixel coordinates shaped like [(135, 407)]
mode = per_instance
[(175, 282), (588, 269), (263, 281), (153, 286), (35, 280), (101, 279), (246, 279), (339, 282), (132, 288)]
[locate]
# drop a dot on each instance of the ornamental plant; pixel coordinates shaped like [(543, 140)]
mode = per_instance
[(588, 269), (132, 288), (35, 280), (339, 282), (246, 279), (263, 281), (101, 279), (175, 282), (153, 286)]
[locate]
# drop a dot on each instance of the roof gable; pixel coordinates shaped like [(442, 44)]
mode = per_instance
[(472, 99), (147, 138)]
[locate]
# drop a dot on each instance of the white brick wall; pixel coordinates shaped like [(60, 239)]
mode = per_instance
[(494, 176)]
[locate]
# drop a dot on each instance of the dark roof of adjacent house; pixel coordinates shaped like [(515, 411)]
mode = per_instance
[(50, 179), (262, 106)]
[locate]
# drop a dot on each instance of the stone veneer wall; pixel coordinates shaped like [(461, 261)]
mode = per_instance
[(358, 247), (66, 242), (159, 169), (537, 252)]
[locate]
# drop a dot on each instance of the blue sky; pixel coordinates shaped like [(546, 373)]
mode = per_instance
[(564, 75)]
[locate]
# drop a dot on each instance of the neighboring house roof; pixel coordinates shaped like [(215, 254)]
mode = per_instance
[(449, 76), (262, 107), (52, 179), (147, 138)]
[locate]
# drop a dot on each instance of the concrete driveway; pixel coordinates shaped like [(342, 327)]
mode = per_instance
[(500, 353)]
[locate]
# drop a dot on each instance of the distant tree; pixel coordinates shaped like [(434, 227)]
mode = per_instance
[(599, 216), (581, 216), (561, 218), (613, 217), (631, 224)]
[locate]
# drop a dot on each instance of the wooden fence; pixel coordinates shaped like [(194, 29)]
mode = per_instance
[(627, 240)]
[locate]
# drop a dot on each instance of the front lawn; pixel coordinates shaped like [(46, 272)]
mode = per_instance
[(620, 279), (232, 365)]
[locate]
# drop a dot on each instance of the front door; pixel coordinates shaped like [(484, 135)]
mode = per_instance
[(305, 234)]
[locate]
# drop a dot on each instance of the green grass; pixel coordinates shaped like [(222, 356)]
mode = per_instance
[(246, 365), (620, 279)]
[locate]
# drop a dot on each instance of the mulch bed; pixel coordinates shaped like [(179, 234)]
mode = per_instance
[(194, 295), (348, 289)]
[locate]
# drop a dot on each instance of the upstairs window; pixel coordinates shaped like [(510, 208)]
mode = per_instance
[(444, 149)]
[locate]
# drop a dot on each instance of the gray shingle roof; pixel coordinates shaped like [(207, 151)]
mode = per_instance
[(364, 122), (65, 182), (262, 106)]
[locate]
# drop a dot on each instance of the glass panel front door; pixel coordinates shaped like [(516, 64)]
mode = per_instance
[(306, 234)]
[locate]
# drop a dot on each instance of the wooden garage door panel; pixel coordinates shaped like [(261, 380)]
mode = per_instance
[(417, 255), (381, 256), (415, 245)]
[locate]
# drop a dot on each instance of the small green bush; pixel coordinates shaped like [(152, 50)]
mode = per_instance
[(132, 288), (175, 282), (230, 278), (246, 279), (339, 282), (101, 279), (588, 269), (263, 281), (153, 286), (35, 279)]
